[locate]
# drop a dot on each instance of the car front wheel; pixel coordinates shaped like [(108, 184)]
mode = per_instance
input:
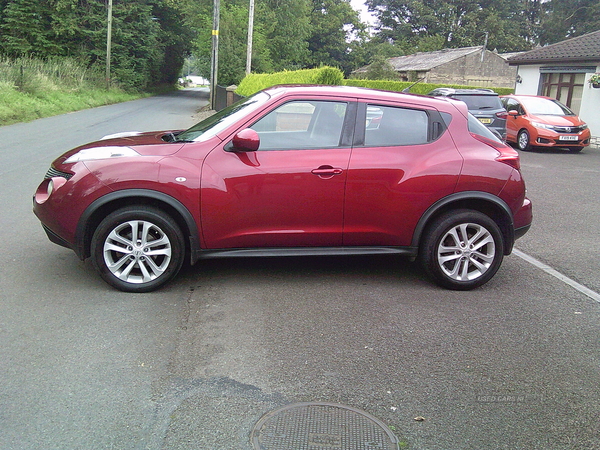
[(137, 249), (523, 140), (462, 249)]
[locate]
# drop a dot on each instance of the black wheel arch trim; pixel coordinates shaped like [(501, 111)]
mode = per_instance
[(462, 200), (82, 232)]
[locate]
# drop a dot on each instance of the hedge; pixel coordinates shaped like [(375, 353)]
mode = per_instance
[(257, 82), (331, 76)]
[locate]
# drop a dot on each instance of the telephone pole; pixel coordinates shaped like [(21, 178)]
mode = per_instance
[(108, 43), (250, 33), (214, 63)]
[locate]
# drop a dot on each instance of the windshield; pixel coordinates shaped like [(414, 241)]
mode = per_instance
[(476, 102), (539, 106), (221, 120)]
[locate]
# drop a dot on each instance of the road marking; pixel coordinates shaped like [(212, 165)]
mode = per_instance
[(549, 270)]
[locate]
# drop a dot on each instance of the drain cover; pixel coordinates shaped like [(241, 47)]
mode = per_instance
[(321, 426)]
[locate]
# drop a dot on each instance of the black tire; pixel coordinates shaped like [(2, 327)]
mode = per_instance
[(575, 149), (523, 140), (462, 249), (140, 264)]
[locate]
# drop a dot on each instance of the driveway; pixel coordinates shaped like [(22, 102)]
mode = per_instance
[(512, 365)]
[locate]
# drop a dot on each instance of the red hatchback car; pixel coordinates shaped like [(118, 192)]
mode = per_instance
[(294, 170), (535, 121)]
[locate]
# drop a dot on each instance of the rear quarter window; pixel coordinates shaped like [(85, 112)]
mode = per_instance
[(476, 127)]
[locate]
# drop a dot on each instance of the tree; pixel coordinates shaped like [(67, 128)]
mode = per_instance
[(423, 25), (150, 38), (26, 29), (565, 19), (333, 24)]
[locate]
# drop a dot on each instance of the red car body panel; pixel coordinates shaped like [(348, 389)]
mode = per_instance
[(350, 196)]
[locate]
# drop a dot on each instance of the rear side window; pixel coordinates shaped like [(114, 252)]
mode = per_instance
[(477, 102), (391, 126)]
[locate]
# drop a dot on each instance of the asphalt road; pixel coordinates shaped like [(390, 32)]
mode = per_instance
[(512, 365)]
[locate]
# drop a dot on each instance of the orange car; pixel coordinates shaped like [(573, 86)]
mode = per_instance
[(535, 121)]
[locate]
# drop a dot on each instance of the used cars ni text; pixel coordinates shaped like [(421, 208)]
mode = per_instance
[(293, 170), (535, 121)]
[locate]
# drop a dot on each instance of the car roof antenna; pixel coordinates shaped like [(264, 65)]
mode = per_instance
[(407, 89)]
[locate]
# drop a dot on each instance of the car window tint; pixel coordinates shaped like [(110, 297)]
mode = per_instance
[(302, 125), (476, 127), (477, 102), (390, 126)]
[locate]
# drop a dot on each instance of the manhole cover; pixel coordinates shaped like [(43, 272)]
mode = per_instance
[(321, 426)]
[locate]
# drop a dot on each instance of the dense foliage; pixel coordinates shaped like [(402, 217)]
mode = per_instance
[(151, 38), (509, 25)]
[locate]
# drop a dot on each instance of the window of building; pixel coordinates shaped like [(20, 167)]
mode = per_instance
[(564, 87)]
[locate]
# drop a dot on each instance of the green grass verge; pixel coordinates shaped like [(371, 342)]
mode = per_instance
[(18, 106)]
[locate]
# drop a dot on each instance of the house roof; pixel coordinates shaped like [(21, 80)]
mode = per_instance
[(577, 49), (429, 60), (424, 61)]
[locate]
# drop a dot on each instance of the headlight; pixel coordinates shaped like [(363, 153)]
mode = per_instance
[(101, 153), (584, 126), (542, 125)]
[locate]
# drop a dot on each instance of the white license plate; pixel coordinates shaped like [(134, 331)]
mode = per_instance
[(568, 138), (486, 121)]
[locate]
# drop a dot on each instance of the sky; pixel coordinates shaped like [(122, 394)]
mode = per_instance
[(359, 5)]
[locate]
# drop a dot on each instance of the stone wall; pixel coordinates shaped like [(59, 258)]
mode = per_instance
[(469, 70)]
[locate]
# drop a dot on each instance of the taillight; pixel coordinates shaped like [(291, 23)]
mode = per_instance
[(508, 155), (502, 115)]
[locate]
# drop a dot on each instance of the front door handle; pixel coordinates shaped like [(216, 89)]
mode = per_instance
[(326, 171)]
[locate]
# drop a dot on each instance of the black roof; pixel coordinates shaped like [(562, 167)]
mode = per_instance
[(578, 49)]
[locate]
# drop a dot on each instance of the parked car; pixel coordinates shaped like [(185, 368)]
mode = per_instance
[(543, 122), (293, 171), (484, 104)]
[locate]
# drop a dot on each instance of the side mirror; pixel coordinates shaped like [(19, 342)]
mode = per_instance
[(513, 112), (246, 140)]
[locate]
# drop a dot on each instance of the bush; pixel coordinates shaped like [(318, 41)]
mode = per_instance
[(257, 82), (331, 76), (418, 88)]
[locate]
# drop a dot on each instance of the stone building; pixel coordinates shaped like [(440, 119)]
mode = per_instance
[(470, 66)]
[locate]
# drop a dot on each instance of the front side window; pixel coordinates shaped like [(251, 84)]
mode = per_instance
[(510, 104), (302, 125), (391, 126)]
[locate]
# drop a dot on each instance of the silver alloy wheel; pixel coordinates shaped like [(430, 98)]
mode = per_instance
[(523, 140), (466, 252), (137, 251)]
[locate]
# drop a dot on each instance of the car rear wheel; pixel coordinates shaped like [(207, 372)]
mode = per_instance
[(137, 249), (462, 249), (523, 140)]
